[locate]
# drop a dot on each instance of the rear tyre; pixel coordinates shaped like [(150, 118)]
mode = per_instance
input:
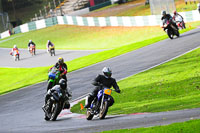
[(104, 110), (177, 33), (89, 115)]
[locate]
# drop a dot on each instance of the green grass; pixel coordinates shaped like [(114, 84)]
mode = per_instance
[(78, 37), (191, 126), (171, 86)]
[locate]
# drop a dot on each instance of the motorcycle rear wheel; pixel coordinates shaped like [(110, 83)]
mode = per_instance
[(104, 110)]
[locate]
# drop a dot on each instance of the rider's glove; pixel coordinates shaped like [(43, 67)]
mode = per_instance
[(118, 90)]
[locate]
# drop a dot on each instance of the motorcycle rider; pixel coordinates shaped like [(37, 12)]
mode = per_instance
[(178, 18), (168, 17), (49, 43), (62, 68), (64, 90), (30, 43), (101, 81), (14, 49)]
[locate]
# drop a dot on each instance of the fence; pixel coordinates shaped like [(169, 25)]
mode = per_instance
[(159, 5), (4, 22), (152, 20), (52, 9)]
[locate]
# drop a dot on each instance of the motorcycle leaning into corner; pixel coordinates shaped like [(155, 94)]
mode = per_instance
[(55, 103), (52, 50), (53, 77), (180, 22), (15, 55), (170, 29), (100, 104)]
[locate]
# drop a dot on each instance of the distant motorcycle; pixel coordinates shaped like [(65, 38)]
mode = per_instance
[(52, 50), (180, 22), (15, 55), (100, 104), (54, 105), (32, 49), (170, 29), (53, 77)]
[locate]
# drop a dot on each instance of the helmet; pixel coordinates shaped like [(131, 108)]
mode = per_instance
[(48, 41), (175, 12), (15, 46), (63, 84), (163, 13), (30, 41), (107, 72), (60, 60)]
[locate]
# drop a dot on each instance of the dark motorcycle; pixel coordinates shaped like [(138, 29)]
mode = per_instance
[(53, 77), (54, 105), (100, 104), (170, 29), (52, 50)]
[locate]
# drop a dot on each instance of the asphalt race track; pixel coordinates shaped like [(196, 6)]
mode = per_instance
[(42, 58), (20, 111)]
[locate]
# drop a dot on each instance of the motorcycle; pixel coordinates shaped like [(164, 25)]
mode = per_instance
[(52, 50), (15, 55), (181, 25), (170, 29), (100, 104), (32, 49), (179, 22), (53, 77), (54, 105)]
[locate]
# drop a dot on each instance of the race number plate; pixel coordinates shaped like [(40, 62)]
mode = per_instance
[(107, 91)]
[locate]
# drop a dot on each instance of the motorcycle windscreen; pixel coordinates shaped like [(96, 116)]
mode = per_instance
[(52, 75)]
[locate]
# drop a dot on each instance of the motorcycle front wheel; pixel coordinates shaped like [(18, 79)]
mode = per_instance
[(89, 115), (169, 33), (104, 110), (56, 109)]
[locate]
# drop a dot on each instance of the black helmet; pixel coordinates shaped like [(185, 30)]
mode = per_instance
[(63, 83), (107, 72), (163, 13), (60, 60)]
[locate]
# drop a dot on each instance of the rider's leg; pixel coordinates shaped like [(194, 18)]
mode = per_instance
[(92, 96)]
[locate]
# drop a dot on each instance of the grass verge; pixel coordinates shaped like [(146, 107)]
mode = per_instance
[(191, 126), (170, 86)]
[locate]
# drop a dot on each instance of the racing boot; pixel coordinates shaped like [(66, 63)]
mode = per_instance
[(67, 105), (89, 100)]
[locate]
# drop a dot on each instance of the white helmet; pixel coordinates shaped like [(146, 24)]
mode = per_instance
[(48, 41), (30, 41), (107, 72), (15, 46)]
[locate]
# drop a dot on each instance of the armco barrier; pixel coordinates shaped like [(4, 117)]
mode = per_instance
[(152, 20)]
